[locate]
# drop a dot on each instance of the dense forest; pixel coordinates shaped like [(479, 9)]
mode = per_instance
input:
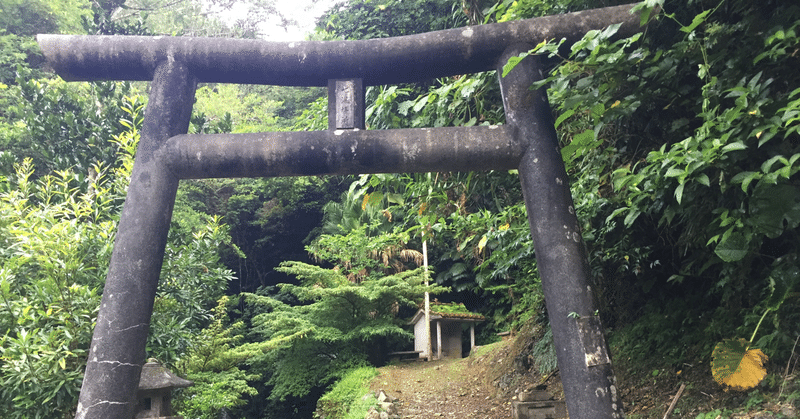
[(682, 144)]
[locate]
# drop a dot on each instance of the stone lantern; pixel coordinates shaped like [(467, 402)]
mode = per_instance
[(155, 391)]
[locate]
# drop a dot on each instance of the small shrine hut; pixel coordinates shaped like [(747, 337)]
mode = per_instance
[(448, 320)]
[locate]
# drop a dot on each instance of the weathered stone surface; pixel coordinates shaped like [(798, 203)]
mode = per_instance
[(372, 414), (587, 377), (552, 409), (395, 60), (383, 397), (312, 153), (117, 351), (386, 407), (346, 104), (534, 395), (155, 376)]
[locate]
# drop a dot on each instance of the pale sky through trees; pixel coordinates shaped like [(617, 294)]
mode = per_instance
[(304, 12)]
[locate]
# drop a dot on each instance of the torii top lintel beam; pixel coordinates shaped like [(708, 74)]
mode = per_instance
[(312, 63)]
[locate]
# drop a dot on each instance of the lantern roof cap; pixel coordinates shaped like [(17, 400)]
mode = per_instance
[(156, 376)]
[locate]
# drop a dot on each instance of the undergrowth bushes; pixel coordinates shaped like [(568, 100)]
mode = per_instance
[(56, 237), (684, 151)]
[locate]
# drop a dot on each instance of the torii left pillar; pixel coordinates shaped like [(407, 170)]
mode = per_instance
[(113, 369)]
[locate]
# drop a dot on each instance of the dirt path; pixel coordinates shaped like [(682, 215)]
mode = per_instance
[(450, 388), (480, 387)]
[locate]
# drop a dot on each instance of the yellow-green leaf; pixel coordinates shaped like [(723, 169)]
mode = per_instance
[(482, 243), (736, 366)]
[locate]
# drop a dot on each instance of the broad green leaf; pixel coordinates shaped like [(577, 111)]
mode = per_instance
[(745, 178), (394, 198), (775, 208), (679, 192), (616, 212), (697, 21), (421, 102), (732, 248), (736, 366), (464, 243), (644, 16), (564, 116), (781, 282), (678, 279), (5, 283), (610, 31), (582, 140), (621, 178), (674, 172), (631, 217), (738, 145), (403, 107), (764, 136), (767, 165), (513, 61), (598, 110)]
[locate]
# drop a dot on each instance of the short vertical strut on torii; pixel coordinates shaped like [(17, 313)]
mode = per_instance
[(167, 154)]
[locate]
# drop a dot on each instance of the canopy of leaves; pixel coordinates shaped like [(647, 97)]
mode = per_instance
[(338, 325), (213, 364), (57, 233), (31, 17), (56, 243), (693, 141), (363, 19)]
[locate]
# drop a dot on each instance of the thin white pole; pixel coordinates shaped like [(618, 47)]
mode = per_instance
[(438, 339), (429, 349), (471, 337)]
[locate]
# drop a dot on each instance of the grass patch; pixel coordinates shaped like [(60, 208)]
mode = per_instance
[(345, 400), (484, 349), (360, 407)]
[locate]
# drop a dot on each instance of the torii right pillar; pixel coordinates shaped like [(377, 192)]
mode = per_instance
[(583, 361)]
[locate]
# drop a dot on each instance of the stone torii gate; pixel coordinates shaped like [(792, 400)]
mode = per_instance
[(167, 154)]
